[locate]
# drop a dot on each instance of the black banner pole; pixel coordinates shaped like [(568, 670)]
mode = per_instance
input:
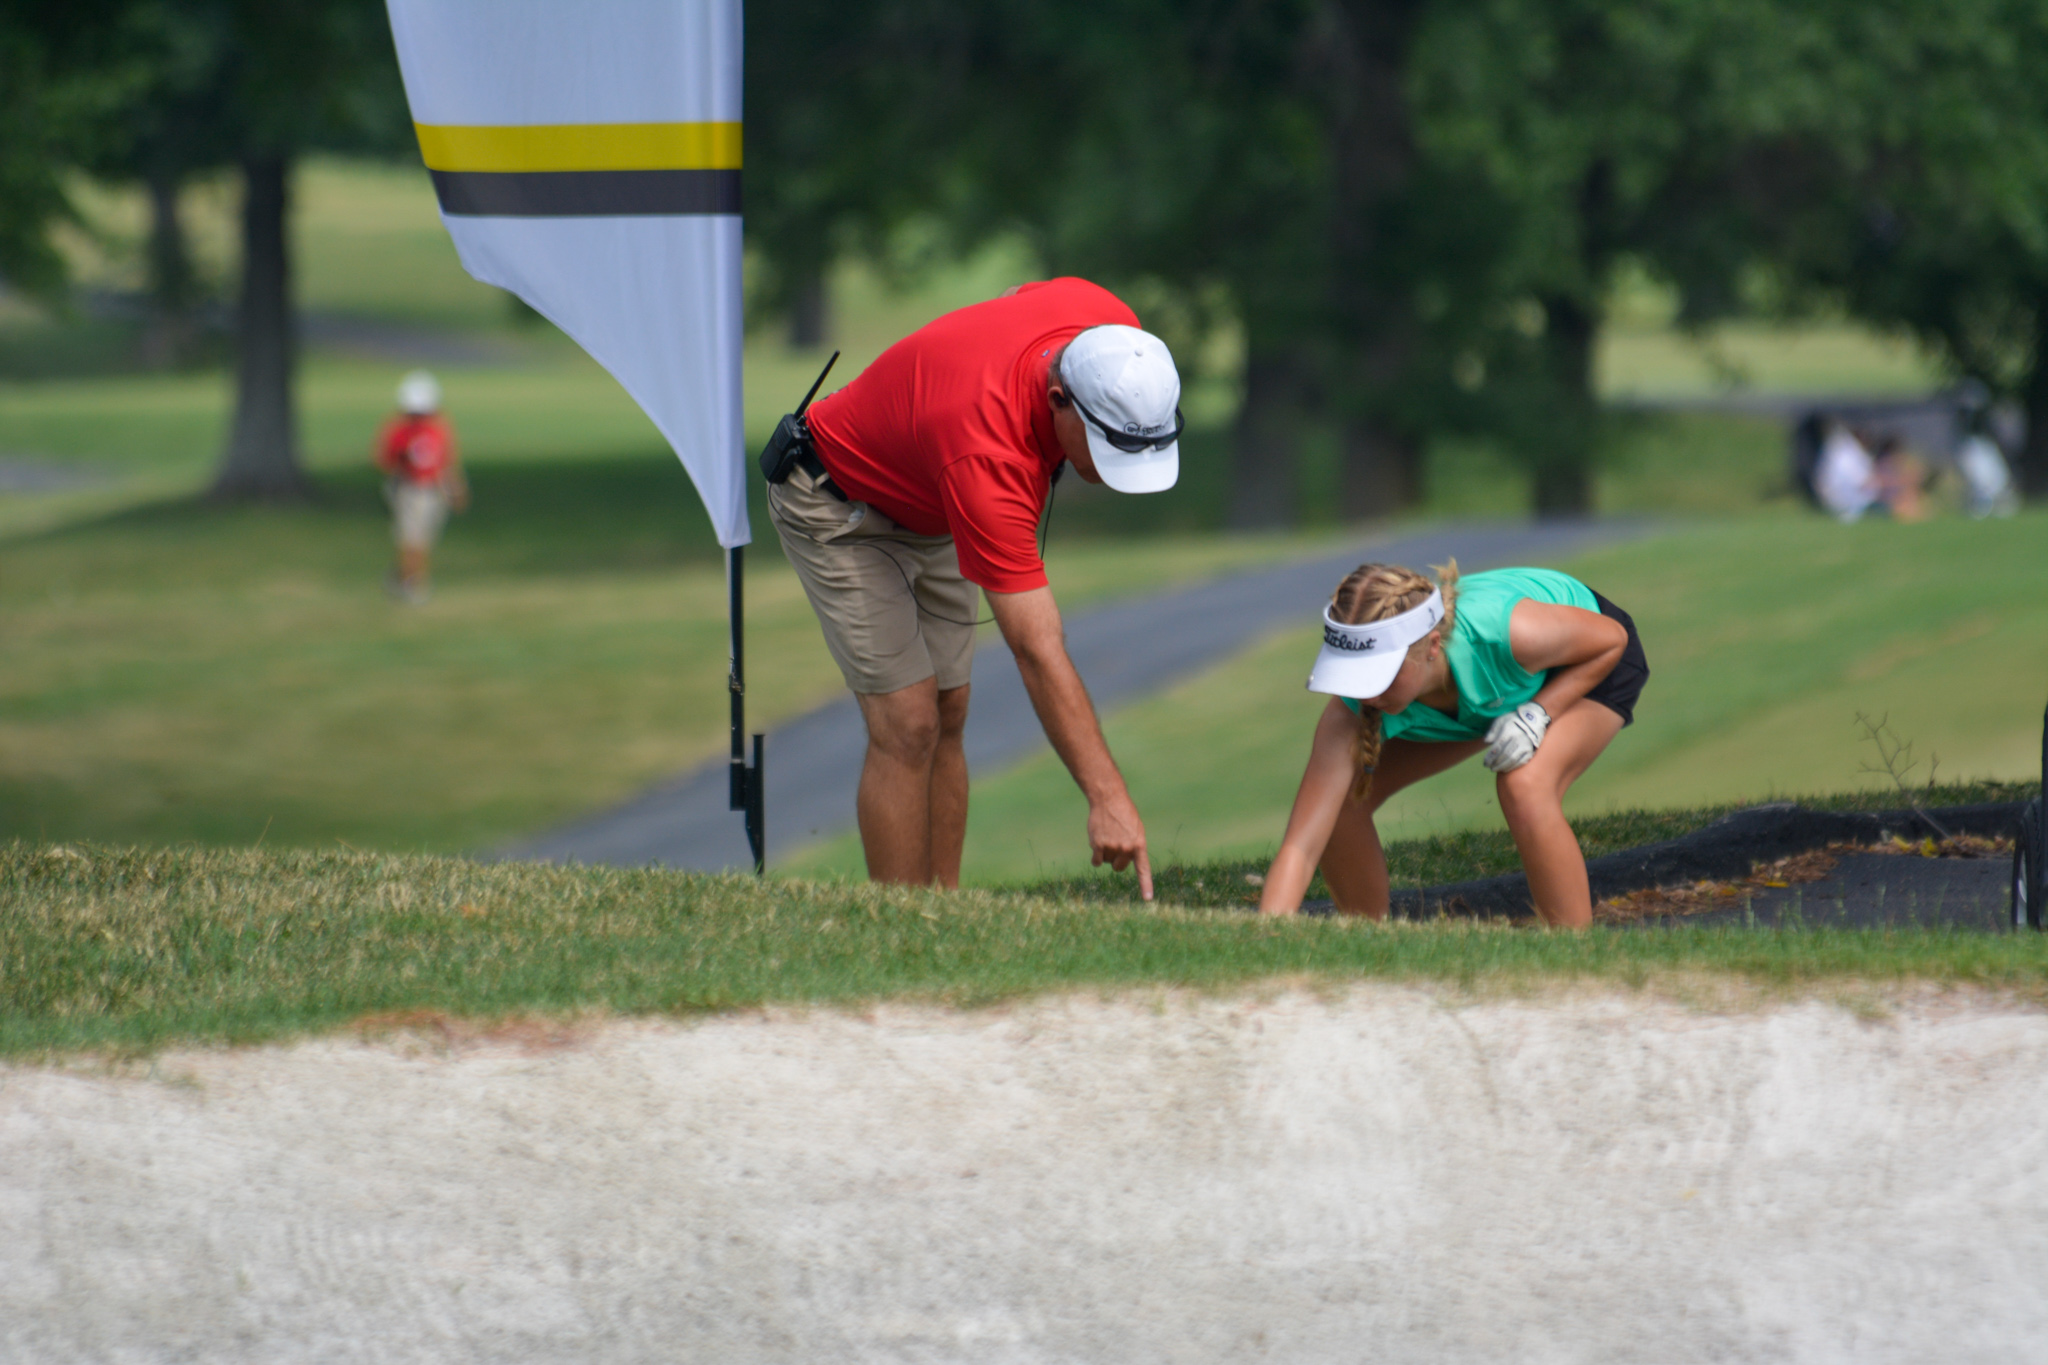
[(748, 789)]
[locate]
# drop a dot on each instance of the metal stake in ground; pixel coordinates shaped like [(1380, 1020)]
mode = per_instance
[(2030, 854), (749, 785)]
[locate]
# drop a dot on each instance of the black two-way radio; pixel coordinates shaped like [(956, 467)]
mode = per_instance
[(792, 439)]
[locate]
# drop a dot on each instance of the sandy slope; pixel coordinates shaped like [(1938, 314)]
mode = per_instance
[(1383, 1175)]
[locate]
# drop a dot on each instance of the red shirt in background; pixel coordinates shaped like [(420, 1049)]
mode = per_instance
[(949, 430), (417, 449)]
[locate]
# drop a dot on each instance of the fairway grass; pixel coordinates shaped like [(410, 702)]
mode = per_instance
[(126, 951), (176, 672), (1766, 637), (159, 688)]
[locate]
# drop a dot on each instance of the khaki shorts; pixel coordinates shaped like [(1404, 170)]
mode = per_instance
[(893, 604), (418, 512)]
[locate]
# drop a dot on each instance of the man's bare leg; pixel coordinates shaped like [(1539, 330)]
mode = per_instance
[(895, 802), (412, 565), (949, 788)]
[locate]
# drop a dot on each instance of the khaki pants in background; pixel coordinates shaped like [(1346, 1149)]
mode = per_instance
[(892, 603), (418, 512)]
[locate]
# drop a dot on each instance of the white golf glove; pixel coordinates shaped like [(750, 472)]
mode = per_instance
[(1511, 741)]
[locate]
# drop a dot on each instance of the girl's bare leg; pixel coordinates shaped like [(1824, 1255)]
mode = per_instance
[(1532, 799), (1354, 865)]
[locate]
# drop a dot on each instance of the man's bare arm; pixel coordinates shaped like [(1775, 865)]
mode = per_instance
[(1030, 622)]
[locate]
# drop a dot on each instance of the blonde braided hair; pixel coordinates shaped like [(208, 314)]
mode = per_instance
[(1373, 592)]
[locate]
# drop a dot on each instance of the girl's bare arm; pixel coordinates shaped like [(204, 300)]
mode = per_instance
[(1577, 648), (1324, 786)]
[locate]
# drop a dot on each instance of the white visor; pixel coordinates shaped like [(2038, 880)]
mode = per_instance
[(1360, 661)]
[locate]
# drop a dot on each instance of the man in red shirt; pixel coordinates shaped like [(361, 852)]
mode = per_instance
[(923, 482), (423, 479)]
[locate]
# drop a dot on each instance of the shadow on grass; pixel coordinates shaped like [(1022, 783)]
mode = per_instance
[(535, 518), (567, 515)]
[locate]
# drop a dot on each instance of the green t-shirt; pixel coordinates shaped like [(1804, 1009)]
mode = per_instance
[(1490, 682)]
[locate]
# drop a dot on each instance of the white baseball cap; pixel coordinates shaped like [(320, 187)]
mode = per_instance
[(419, 393), (1360, 661), (1127, 394)]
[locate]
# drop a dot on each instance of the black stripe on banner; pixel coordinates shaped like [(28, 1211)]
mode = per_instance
[(585, 194)]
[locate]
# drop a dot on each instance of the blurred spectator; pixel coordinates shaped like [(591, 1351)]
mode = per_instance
[(1899, 480), (1988, 489), (1807, 438), (1844, 476), (1987, 479), (416, 450)]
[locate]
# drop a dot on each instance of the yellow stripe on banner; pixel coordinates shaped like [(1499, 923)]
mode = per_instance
[(581, 147)]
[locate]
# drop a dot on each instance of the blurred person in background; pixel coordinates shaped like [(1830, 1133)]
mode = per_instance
[(423, 481), (1844, 477), (1987, 478), (1988, 489), (1808, 435), (1899, 479)]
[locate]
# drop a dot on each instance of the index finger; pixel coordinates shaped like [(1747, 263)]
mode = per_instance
[(1144, 874)]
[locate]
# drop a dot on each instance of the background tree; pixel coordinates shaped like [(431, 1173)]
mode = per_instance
[(295, 76), (1593, 135), (171, 125), (828, 172), (56, 77), (1217, 159), (1926, 209)]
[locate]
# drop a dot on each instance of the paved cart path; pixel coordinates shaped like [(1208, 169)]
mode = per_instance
[(1125, 651)]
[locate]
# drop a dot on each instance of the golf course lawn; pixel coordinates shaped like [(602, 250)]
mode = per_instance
[(127, 950), (1766, 637), (180, 672)]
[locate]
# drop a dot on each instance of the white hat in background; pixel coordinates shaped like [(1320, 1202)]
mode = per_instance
[(419, 394), (1360, 661), (1127, 394)]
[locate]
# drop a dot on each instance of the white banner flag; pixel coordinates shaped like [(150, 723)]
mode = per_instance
[(587, 158)]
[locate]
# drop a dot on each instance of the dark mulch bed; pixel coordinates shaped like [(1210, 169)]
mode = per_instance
[(1874, 891), (1757, 866)]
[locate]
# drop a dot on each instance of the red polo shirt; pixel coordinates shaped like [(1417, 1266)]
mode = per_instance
[(417, 449), (949, 431)]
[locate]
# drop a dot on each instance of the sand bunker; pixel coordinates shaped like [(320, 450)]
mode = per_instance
[(1381, 1175)]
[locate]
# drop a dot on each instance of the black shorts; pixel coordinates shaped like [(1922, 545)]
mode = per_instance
[(1618, 690)]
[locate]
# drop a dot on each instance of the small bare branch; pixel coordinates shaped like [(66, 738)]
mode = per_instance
[(1895, 760)]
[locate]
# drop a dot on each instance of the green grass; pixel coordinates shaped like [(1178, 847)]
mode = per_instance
[(1766, 636), (176, 672), (125, 951), (183, 672)]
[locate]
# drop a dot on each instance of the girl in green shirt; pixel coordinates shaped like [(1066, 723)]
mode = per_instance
[(1528, 666)]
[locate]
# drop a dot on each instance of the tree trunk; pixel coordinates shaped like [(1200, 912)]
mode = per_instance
[(262, 459), (167, 341), (2030, 470), (808, 310), (1563, 490), (1564, 453), (1372, 148), (1266, 456), (1382, 470)]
